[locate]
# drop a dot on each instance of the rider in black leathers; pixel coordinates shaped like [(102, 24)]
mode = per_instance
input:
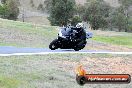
[(80, 34)]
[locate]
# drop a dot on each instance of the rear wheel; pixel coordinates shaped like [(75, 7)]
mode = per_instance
[(80, 46), (53, 44), (77, 49)]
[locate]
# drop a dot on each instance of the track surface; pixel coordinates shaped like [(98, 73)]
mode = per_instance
[(9, 51)]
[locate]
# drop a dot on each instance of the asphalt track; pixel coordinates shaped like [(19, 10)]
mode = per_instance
[(14, 51)]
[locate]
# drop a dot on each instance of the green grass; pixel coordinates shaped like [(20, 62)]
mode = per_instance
[(14, 33), (8, 82), (116, 40), (19, 34), (37, 71), (47, 71)]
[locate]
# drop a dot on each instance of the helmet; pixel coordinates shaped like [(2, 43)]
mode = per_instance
[(80, 25)]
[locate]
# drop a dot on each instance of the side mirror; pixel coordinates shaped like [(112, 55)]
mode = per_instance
[(89, 35)]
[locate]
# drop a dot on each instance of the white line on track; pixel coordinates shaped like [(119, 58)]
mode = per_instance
[(44, 53)]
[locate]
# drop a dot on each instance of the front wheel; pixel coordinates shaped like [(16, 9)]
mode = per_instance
[(53, 44)]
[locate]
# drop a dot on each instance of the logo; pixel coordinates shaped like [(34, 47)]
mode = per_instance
[(82, 77)]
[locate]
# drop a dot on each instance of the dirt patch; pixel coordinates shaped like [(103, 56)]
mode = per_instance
[(99, 65), (93, 45), (114, 65), (41, 20)]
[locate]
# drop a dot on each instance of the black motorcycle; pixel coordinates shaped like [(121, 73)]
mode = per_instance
[(70, 38)]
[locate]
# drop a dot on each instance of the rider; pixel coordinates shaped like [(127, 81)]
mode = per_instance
[(81, 33), (78, 32)]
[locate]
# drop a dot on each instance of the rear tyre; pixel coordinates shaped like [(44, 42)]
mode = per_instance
[(53, 44), (77, 49), (80, 46)]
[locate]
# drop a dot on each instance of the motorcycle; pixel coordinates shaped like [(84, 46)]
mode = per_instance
[(70, 38)]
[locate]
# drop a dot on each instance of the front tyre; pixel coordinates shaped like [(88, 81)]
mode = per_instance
[(53, 44)]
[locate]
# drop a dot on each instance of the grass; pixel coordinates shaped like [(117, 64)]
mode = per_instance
[(19, 34), (48, 71), (36, 71), (8, 82), (116, 40)]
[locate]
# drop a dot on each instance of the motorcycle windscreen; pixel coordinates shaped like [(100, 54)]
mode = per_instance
[(66, 31)]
